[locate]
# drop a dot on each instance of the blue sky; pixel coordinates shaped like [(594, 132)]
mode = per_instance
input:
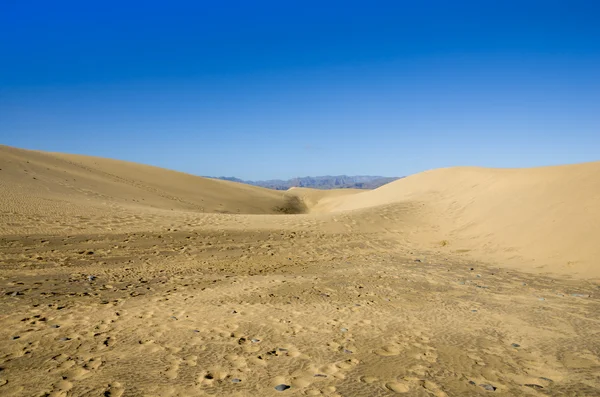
[(277, 89)]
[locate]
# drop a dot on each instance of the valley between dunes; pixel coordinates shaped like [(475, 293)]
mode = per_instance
[(121, 279)]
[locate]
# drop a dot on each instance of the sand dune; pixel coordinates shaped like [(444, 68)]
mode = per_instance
[(71, 179), (547, 217), (121, 279)]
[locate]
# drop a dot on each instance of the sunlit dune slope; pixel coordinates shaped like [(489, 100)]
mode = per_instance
[(547, 217), (31, 180)]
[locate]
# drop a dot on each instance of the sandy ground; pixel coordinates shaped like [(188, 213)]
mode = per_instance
[(119, 279)]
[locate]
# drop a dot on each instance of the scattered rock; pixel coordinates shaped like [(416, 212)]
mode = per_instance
[(546, 379), (55, 326), (91, 278), (255, 340), (472, 383), (320, 376), (16, 337), (236, 380), (418, 260), (64, 339), (344, 329), (488, 387), (282, 387)]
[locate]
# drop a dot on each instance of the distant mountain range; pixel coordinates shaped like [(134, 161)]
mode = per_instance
[(320, 182)]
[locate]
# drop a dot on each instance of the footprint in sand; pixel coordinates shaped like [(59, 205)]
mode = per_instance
[(398, 387), (114, 390), (61, 389), (389, 350), (173, 368)]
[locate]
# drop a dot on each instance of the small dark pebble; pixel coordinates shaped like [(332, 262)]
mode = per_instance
[(546, 379), (15, 337), (417, 260), (515, 345), (472, 383), (196, 331), (488, 387), (64, 339), (320, 376), (55, 326), (282, 387), (533, 386), (208, 376), (347, 351)]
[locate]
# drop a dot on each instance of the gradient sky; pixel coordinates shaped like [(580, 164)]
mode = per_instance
[(277, 89)]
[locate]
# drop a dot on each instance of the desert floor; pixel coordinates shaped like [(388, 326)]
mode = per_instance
[(114, 285)]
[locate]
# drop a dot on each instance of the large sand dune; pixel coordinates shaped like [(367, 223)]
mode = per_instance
[(121, 279), (30, 177), (541, 217)]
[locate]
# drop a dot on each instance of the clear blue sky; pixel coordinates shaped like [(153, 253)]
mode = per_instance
[(276, 89)]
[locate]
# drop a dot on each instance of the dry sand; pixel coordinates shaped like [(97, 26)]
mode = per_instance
[(120, 279)]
